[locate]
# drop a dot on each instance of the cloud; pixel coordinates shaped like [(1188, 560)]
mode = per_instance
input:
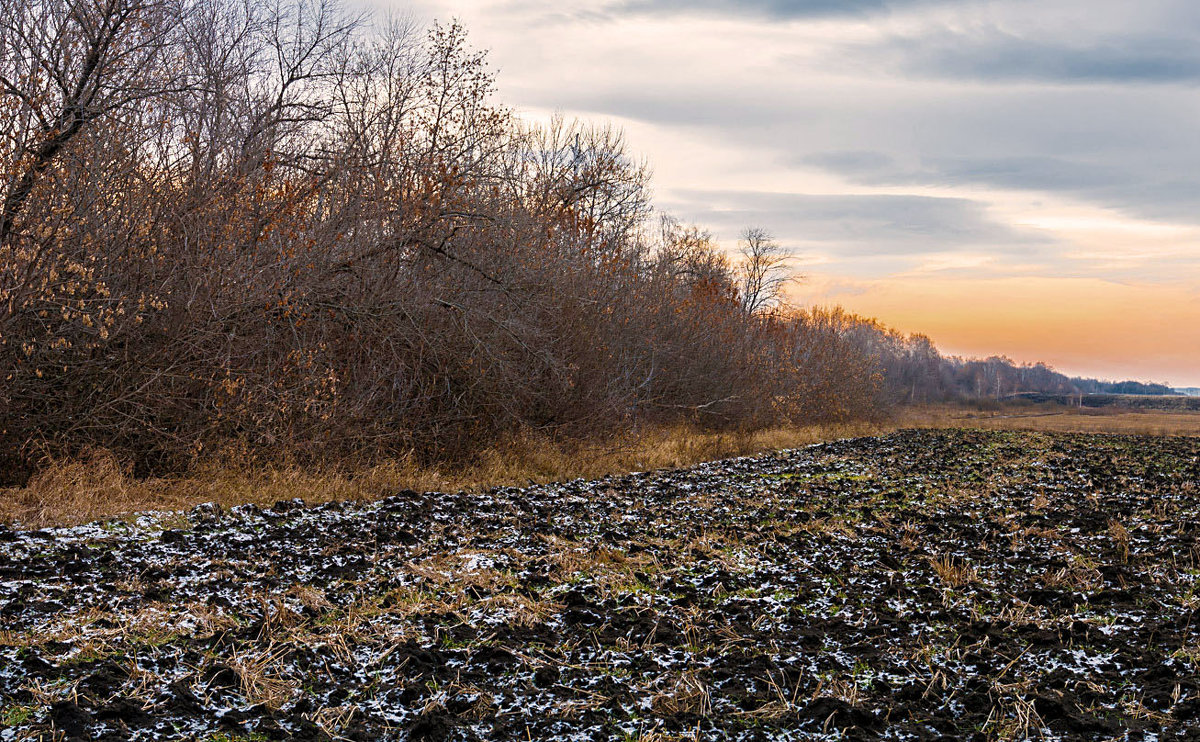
[(1019, 172), (862, 164), (1047, 173), (774, 9), (1022, 172), (1129, 148), (1138, 189), (859, 226), (688, 106), (995, 55)]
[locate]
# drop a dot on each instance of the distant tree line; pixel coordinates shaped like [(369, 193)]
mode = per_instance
[(1094, 386), (915, 372)]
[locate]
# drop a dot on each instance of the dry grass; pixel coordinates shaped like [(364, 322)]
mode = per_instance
[(954, 573), (1119, 535), (97, 486), (260, 679), (685, 693), (1060, 419), (72, 491)]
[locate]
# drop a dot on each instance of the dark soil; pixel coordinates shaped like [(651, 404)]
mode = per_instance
[(923, 585)]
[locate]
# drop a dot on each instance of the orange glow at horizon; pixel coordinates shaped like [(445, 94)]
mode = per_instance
[(1080, 326)]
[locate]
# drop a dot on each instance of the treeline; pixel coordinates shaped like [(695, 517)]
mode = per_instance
[(269, 223), (915, 372), (1094, 386)]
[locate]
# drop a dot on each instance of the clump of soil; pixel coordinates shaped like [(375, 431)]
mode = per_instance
[(914, 586)]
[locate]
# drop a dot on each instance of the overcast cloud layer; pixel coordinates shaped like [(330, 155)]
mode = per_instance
[(974, 140)]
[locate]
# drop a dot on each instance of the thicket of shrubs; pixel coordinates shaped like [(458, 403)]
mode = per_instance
[(271, 223)]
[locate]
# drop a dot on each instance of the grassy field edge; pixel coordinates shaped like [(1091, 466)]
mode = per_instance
[(97, 486)]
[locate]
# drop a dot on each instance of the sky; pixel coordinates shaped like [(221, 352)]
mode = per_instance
[(1017, 177)]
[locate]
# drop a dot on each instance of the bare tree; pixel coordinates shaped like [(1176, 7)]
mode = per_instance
[(764, 273), (63, 65)]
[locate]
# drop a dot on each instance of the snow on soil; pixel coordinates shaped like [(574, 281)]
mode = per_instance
[(916, 586)]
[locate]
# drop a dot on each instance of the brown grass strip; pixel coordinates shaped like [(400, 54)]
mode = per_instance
[(97, 486)]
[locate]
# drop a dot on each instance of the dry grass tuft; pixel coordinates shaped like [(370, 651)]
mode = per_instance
[(89, 487), (1119, 535), (332, 721), (1013, 716), (260, 681), (1076, 578), (954, 573), (686, 693)]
